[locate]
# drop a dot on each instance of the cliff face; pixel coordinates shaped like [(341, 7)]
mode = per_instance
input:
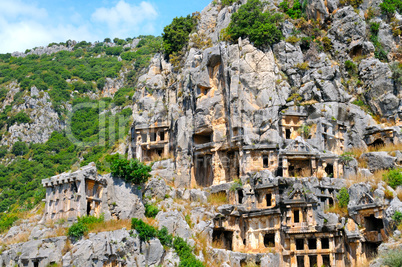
[(231, 91)]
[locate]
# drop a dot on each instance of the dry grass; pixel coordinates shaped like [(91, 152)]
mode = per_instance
[(388, 194), (386, 147), (59, 231), (374, 180), (399, 194), (217, 199), (109, 226), (343, 212), (67, 247), (20, 238)]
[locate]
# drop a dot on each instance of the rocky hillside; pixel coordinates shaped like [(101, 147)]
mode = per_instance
[(303, 108)]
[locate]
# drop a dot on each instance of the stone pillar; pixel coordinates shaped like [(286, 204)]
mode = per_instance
[(285, 167), (319, 260), (336, 169)]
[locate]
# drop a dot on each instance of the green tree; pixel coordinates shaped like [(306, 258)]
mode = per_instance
[(249, 21), (175, 35), (20, 148), (343, 197), (131, 170)]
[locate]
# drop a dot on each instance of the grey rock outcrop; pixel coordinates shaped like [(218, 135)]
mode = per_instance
[(379, 160)]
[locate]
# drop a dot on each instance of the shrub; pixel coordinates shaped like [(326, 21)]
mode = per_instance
[(393, 178), (250, 22), (374, 27), (388, 7), (228, 2), (164, 236), (327, 43), (20, 117), (343, 197), (393, 258), (292, 39), (175, 35), (236, 185), (77, 230), (20, 148), (145, 231), (184, 251), (131, 170), (304, 131), (346, 157), (151, 210), (350, 67), (295, 11), (397, 217)]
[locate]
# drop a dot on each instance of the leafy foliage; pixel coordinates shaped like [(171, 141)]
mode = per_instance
[(388, 7), (295, 11), (393, 258), (343, 197), (145, 231), (175, 35), (397, 217), (350, 67), (393, 178), (379, 52), (151, 210), (184, 251), (81, 227), (131, 170), (249, 21)]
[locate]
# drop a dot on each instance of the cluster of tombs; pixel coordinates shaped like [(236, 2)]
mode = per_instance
[(286, 216), (304, 148)]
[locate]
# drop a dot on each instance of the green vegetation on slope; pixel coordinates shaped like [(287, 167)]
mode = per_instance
[(94, 130), (250, 21)]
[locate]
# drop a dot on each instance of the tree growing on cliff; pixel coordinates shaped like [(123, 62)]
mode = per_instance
[(131, 170), (250, 22), (175, 35)]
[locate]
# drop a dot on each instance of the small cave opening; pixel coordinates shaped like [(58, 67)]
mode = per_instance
[(265, 161), (377, 143)]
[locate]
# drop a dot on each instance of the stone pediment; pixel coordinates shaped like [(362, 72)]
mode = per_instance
[(365, 199), (299, 146), (297, 193)]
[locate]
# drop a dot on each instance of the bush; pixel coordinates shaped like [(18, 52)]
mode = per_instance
[(295, 11), (81, 227), (20, 117), (184, 251), (131, 170), (327, 43), (393, 258), (343, 197), (77, 230), (346, 157), (393, 178), (397, 217), (350, 67), (250, 22), (388, 7), (151, 211), (164, 236), (175, 35), (145, 231), (20, 148)]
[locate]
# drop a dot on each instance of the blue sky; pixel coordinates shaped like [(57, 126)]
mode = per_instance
[(25, 24)]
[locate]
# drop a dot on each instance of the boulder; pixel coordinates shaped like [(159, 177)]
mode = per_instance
[(379, 160)]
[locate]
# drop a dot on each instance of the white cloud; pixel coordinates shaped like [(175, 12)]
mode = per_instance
[(125, 20), (25, 26)]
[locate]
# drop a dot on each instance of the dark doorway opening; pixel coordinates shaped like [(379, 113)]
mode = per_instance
[(325, 243), (288, 133), (373, 224), (265, 161), (88, 208), (312, 243), (296, 216), (300, 261), (240, 195), (313, 260), (325, 260), (268, 198), (299, 244), (269, 240), (330, 170), (162, 136), (222, 239)]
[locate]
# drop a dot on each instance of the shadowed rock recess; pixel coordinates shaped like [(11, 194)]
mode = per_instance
[(270, 156)]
